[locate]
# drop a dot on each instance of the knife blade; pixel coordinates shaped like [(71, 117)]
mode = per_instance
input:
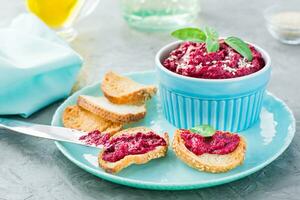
[(44, 131)]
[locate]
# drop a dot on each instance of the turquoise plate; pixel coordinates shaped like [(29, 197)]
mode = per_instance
[(266, 140)]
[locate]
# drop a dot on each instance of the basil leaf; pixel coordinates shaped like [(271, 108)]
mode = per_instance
[(204, 130), (212, 40), (240, 46), (190, 34)]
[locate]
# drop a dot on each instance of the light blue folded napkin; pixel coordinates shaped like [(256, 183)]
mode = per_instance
[(36, 66)]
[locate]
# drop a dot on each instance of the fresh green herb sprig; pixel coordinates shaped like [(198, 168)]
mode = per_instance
[(211, 39), (240, 46), (203, 130), (190, 34)]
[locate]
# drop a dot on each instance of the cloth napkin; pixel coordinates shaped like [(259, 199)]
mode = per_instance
[(36, 66)]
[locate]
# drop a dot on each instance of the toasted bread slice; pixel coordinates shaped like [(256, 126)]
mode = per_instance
[(122, 90), (80, 119), (115, 167), (113, 112), (213, 163)]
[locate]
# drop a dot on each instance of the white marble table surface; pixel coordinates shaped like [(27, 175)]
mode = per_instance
[(34, 169)]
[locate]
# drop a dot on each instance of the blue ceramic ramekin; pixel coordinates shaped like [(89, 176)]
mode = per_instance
[(226, 104)]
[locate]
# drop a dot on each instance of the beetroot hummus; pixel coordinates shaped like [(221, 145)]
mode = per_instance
[(95, 138), (191, 59), (128, 144), (220, 143)]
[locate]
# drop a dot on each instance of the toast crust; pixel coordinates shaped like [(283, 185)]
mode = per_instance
[(77, 118), (212, 163), (116, 167), (133, 92), (108, 115)]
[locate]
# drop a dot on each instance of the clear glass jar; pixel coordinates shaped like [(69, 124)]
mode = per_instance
[(155, 15), (61, 15), (283, 21)]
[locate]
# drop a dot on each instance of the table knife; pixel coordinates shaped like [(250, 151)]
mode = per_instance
[(44, 131)]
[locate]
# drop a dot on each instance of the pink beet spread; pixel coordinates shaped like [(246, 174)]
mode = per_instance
[(128, 144), (95, 138), (220, 143), (191, 59)]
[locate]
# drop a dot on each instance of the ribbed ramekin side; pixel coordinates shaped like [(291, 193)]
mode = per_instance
[(231, 114)]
